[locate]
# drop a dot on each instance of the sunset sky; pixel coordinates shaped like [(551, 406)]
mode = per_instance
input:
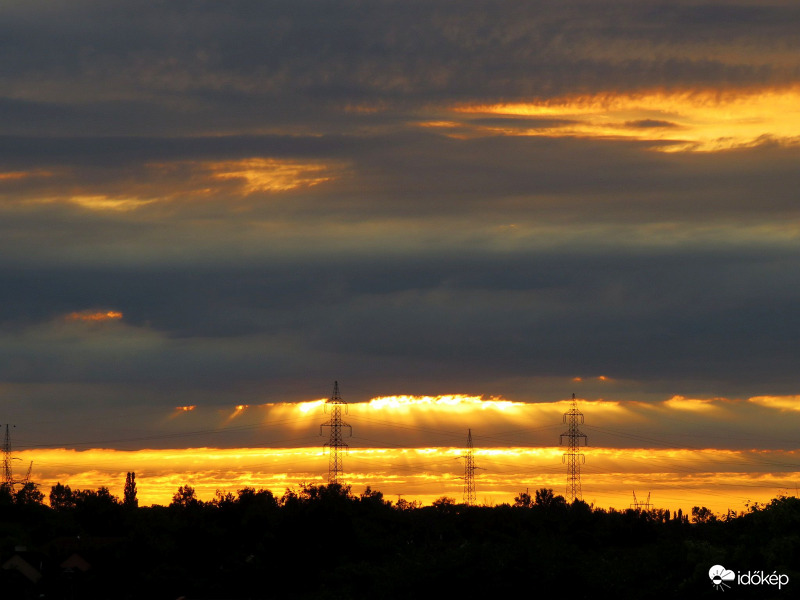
[(474, 209)]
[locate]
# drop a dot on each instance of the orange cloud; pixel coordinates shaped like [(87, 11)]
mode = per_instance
[(108, 202), (691, 120), (690, 404), (782, 403), (269, 174), (17, 175), (89, 316), (176, 181)]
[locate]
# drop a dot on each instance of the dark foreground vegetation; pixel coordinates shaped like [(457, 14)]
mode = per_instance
[(327, 542)]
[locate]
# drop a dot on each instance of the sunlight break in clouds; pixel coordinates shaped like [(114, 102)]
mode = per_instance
[(701, 121), (411, 446), (450, 403)]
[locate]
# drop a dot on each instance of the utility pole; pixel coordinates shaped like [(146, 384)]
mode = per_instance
[(572, 458), (335, 443), (469, 472)]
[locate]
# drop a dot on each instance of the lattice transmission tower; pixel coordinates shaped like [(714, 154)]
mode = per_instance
[(469, 472), (8, 479), (8, 472), (572, 457), (335, 443)]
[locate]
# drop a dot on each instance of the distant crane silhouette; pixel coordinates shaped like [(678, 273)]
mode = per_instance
[(641, 505)]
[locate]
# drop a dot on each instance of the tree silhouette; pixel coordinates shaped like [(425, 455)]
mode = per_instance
[(61, 497), (101, 497), (523, 500), (445, 504), (547, 500), (6, 497), (129, 499), (98, 511), (701, 514), (28, 494), (372, 497), (185, 497)]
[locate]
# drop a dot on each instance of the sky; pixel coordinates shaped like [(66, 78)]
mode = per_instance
[(222, 204)]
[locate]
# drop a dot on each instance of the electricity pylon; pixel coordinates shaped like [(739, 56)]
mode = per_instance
[(9, 482), (469, 472), (572, 458), (8, 473), (335, 443), (8, 479)]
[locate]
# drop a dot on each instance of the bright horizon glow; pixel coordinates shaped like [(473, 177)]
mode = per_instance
[(676, 478), (411, 446)]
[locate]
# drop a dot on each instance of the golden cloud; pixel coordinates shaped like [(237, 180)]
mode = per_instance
[(690, 404), (691, 120), (176, 181), (106, 202), (269, 174), (783, 403)]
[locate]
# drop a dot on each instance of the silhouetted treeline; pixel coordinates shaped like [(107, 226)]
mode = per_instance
[(328, 542)]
